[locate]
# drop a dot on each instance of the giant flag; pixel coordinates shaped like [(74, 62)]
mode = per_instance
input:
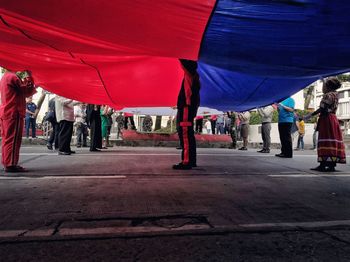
[(125, 53)]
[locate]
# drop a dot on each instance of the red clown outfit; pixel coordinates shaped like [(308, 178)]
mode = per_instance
[(12, 113)]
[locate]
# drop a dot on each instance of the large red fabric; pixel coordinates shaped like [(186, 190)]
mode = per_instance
[(121, 53)]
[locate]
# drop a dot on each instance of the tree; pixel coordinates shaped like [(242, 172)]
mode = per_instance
[(309, 95)]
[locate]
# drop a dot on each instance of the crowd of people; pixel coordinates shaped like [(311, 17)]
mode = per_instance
[(96, 121)]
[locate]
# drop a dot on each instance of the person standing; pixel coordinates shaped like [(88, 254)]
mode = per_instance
[(244, 118), (65, 117), (233, 129), (120, 124), (30, 119), (220, 125), (104, 125), (12, 112), (330, 147), (266, 114), (285, 122), (187, 105), (199, 124), (213, 119), (94, 121), (207, 126), (301, 132), (80, 122), (51, 117)]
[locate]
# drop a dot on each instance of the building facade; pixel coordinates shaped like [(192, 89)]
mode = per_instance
[(343, 112)]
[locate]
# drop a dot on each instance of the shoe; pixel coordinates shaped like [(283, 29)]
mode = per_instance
[(280, 155), (181, 166), (15, 169), (261, 151), (243, 148), (179, 147), (63, 153), (95, 150), (78, 146), (267, 151), (104, 147), (49, 146), (319, 169), (72, 152), (283, 156)]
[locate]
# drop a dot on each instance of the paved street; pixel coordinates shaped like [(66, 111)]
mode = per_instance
[(127, 204)]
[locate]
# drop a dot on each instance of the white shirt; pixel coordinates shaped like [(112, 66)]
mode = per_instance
[(64, 109)]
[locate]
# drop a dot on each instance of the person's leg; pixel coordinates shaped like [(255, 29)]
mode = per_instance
[(79, 135), (85, 134), (11, 133), (51, 139), (268, 137), (263, 135), (200, 126), (33, 123), (280, 132), (288, 140), (133, 127), (213, 125), (192, 146), (92, 135), (27, 123), (63, 138), (299, 142), (302, 142), (126, 122)]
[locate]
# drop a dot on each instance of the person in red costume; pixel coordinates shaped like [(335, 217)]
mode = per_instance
[(12, 112), (187, 105)]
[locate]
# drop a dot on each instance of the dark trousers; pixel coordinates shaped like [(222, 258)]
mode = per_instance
[(95, 132), (233, 134), (284, 130), (185, 117), (30, 123), (81, 134), (199, 125), (65, 135), (265, 134), (53, 139), (213, 126)]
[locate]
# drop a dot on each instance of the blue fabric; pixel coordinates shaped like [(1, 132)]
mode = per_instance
[(226, 90), (285, 116), (255, 52)]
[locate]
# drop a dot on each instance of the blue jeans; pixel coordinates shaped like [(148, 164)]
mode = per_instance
[(30, 122), (300, 142)]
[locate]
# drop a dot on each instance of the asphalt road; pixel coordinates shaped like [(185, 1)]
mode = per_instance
[(127, 204)]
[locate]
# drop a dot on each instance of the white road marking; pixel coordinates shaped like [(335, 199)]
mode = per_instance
[(311, 175), (63, 177), (157, 154)]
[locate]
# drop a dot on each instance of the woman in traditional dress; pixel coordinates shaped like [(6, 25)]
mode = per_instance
[(331, 149), (104, 125)]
